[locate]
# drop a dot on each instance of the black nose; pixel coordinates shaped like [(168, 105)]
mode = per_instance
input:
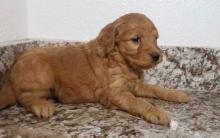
[(155, 56)]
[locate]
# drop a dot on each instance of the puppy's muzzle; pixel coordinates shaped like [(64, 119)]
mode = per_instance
[(155, 56)]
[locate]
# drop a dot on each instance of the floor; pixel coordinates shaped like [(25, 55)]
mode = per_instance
[(200, 118)]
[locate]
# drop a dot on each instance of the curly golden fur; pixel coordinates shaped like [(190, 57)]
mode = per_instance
[(108, 70)]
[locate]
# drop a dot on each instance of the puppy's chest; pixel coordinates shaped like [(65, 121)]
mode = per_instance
[(122, 78)]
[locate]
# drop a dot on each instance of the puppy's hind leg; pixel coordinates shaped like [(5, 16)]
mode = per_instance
[(33, 79), (36, 102)]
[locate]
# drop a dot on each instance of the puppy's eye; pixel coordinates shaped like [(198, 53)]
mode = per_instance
[(136, 39)]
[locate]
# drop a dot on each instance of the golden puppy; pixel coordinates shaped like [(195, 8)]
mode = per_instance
[(107, 70)]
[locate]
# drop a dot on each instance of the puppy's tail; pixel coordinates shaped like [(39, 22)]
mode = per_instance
[(7, 96)]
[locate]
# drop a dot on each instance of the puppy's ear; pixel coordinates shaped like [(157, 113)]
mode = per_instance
[(106, 38)]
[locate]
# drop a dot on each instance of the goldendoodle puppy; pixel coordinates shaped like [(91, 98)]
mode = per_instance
[(108, 70)]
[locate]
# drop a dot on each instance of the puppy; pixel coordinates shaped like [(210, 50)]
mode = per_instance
[(107, 70)]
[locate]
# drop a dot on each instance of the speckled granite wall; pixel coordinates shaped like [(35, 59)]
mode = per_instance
[(184, 68), (188, 68)]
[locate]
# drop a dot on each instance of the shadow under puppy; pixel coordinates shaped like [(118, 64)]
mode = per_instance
[(108, 70)]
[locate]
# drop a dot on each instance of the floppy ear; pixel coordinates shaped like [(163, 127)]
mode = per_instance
[(106, 38)]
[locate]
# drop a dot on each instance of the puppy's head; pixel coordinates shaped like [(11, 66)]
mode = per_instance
[(134, 36)]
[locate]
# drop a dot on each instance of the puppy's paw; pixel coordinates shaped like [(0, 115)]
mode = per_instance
[(180, 97), (43, 109), (159, 116)]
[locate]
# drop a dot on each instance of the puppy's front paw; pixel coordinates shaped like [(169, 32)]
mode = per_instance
[(43, 109), (180, 97), (158, 116)]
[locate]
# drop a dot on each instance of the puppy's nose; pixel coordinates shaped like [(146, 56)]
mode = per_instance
[(155, 56)]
